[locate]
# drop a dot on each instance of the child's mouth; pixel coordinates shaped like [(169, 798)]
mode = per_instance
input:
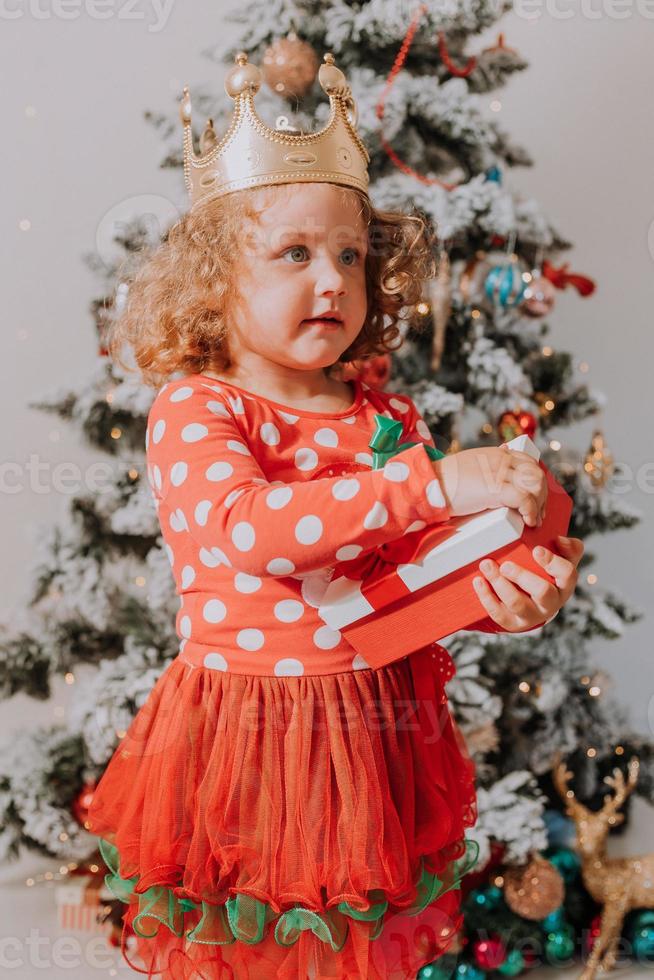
[(323, 322)]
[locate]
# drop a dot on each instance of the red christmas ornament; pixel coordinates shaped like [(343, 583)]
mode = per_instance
[(590, 935), (489, 953), (374, 371), (513, 424), (529, 955), (81, 804)]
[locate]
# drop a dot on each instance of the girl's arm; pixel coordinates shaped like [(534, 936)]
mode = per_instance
[(208, 483)]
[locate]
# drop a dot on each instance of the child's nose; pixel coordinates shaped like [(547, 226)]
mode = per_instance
[(329, 277)]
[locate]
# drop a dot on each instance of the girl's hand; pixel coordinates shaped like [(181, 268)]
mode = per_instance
[(483, 479), (536, 601)]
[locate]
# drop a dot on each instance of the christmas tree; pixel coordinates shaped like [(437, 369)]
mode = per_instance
[(476, 360)]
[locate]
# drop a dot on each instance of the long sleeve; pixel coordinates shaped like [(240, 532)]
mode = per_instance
[(207, 482)]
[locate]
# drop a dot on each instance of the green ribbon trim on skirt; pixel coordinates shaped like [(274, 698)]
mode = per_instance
[(244, 918)]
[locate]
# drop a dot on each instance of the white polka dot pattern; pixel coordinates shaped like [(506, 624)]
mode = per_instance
[(257, 507)]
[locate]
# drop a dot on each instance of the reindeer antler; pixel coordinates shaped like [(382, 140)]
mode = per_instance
[(612, 803), (561, 776)]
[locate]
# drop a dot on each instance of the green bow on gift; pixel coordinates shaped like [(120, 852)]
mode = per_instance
[(384, 442)]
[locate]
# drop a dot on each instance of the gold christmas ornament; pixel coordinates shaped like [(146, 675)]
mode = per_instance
[(251, 154), (619, 884), (598, 461), (534, 890), (290, 66)]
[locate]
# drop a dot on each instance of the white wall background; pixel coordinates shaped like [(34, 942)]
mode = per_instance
[(583, 110)]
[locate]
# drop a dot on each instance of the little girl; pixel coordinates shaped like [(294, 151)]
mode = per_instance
[(277, 808)]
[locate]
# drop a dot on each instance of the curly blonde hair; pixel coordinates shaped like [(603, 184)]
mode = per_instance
[(176, 316)]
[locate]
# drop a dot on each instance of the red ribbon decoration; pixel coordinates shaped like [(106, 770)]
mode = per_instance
[(449, 64), (379, 110), (377, 569), (561, 278)]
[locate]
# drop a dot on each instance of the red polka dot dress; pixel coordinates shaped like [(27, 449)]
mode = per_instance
[(277, 808)]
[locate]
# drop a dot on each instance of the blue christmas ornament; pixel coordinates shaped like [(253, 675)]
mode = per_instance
[(504, 284), (560, 829), (495, 174), (643, 944)]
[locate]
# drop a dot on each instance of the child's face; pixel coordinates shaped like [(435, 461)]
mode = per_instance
[(305, 255)]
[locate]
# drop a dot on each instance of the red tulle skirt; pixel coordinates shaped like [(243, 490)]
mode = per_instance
[(289, 827)]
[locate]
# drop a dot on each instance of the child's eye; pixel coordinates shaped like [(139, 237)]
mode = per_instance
[(354, 251), (303, 249), (295, 248)]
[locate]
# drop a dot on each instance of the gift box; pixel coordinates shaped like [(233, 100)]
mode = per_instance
[(81, 904), (415, 590)]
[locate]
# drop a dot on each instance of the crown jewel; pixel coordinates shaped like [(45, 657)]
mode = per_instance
[(251, 154)]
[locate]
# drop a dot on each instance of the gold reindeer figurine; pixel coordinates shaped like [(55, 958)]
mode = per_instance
[(618, 884)]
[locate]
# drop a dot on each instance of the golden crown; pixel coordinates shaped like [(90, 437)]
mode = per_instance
[(251, 154)]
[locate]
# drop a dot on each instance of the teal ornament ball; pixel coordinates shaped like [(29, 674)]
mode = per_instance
[(643, 944), (513, 965), (468, 971), (554, 920), (495, 174), (504, 285), (565, 860), (560, 945), (643, 918)]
